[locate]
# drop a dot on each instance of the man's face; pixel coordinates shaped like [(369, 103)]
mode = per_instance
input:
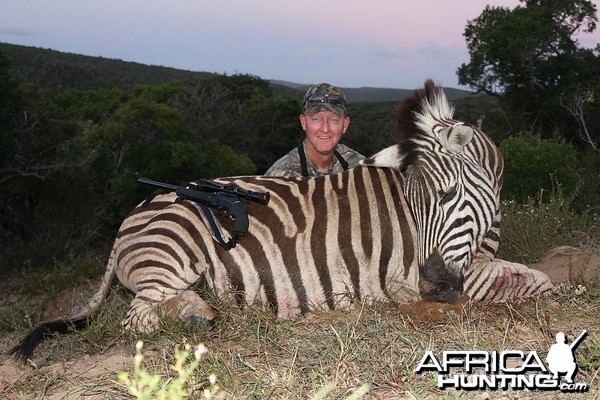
[(324, 130)]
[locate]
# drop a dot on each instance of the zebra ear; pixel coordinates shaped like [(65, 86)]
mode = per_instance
[(388, 158), (454, 138)]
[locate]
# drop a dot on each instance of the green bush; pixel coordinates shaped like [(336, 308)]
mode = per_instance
[(532, 164), (588, 196), (531, 229), (144, 385)]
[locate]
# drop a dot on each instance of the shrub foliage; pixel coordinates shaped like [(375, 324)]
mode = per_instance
[(68, 160)]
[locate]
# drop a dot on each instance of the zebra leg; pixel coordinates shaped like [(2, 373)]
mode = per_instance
[(141, 316), (498, 280), (401, 292), (188, 306)]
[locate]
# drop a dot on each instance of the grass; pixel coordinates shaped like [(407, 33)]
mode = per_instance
[(144, 385), (330, 355), (369, 352), (529, 230)]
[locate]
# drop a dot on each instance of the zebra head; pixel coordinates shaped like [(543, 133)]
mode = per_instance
[(451, 175)]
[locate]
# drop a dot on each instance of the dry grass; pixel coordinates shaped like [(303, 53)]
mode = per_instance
[(329, 355), (319, 356)]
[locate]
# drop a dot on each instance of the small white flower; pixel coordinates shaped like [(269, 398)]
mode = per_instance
[(580, 290), (200, 350)]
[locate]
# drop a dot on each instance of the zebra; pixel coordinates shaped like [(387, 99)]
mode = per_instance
[(454, 197), (410, 223), (452, 180)]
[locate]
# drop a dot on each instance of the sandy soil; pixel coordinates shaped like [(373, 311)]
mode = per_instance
[(566, 263)]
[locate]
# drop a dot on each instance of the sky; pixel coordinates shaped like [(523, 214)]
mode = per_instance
[(348, 43)]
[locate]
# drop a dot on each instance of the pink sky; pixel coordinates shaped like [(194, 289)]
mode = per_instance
[(378, 43)]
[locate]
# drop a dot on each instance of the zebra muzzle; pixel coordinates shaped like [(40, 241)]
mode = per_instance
[(437, 282)]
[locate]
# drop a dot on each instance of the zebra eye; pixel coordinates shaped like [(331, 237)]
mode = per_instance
[(446, 196)]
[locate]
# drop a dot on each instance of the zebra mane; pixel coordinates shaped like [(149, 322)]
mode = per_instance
[(416, 115)]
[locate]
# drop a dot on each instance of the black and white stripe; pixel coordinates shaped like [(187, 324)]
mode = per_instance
[(410, 222), (318, 245), (452, 175)]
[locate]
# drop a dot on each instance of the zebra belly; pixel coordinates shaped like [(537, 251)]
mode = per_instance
[(292, 283)]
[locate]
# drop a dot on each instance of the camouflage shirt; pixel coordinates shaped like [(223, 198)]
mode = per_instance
[(289, 165)]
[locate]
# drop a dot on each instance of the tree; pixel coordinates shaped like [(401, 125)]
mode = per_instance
[(45, 203), (582, 104), (532, 165), (239, 111), (10, 95), (530, 57), (143, 137), (267, 130)]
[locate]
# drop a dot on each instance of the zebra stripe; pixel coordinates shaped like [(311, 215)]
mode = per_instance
[(419, 218), (354, 238), (452, 176)]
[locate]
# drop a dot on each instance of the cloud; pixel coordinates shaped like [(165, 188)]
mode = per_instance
[(16, 32), (429, 50), (397, 52)]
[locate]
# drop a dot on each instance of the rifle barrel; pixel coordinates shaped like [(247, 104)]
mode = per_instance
[(207, 186), (152, 182)]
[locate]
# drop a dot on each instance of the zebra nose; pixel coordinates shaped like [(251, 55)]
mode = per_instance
[(437, 281)]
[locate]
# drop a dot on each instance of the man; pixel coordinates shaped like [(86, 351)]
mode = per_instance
[(325, 121)]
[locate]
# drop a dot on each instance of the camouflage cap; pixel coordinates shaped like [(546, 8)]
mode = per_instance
[(324, 97)]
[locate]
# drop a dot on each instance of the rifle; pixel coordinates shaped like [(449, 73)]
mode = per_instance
[(576, 342), (211, 186), (223, 197)]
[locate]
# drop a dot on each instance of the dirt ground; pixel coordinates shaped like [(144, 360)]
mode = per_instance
[(92, 377), (569, 263)]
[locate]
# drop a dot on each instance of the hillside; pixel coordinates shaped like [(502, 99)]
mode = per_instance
[(60, 71), (370, 94)]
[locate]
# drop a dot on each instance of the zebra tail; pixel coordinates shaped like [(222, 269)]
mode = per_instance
[(78, 320), (24, 350)]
